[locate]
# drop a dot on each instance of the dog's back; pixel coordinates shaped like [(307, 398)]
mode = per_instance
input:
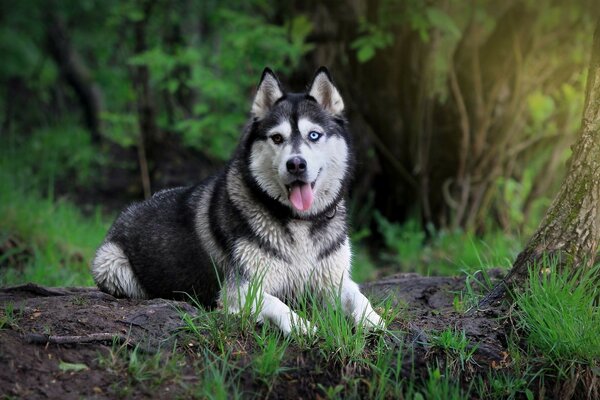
[(153, 250)]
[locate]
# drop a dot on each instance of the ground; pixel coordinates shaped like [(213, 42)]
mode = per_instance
[(69, 343)]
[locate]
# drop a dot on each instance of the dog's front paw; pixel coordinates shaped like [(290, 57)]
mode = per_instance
[(295, 323), (371, 321)]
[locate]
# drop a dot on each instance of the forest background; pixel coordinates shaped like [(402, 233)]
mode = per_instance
[(462, 113)]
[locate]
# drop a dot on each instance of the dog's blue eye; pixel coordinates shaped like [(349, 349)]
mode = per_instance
[(314, 136)]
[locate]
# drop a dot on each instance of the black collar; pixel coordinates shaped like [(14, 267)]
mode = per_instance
[(329, 213)]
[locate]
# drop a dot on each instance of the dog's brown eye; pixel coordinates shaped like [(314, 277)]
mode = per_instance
[(277, 138)]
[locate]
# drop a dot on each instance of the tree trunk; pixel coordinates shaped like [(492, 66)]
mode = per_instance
[(76, 74), (149, 131), (570, 229)]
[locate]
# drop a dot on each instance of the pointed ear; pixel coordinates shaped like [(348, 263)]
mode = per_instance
[(268, 92), (326, 94)]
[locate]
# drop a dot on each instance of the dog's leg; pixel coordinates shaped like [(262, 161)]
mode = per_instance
[(265, 307), (287, 320), (358, 306)]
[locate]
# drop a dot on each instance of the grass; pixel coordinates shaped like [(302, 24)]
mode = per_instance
[(444, 252), (134, 367), (456, 346), (337, 339), (49, 240), (560, 313), (9, 317), (54, 242), (219, 380), (505, 386), (266, 364), (337, 343), (477, 284), (441, 384)]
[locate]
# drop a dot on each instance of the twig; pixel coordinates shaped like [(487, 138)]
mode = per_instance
[(35, 289), (40, 338)]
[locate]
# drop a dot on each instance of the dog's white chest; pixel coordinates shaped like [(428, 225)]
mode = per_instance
[(293, 264)]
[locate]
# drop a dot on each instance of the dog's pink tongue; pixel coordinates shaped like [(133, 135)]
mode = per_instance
[(301, 196)]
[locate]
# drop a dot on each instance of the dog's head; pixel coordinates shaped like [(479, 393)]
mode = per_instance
[(297, 149)]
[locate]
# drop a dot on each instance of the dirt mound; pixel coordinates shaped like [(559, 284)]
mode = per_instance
[(55, 342)]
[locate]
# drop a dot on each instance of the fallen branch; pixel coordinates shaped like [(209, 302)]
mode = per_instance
[(40, 338), (35, 289)]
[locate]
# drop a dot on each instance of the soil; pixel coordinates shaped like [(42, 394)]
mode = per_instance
[(55, 326)]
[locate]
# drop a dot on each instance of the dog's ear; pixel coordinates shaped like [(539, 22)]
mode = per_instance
[(326, 94), (268, 92)]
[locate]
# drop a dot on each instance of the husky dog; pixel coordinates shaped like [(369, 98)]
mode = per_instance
[(276, 211)]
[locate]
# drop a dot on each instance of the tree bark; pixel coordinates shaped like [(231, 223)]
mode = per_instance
[(76, 75), (570, 230)]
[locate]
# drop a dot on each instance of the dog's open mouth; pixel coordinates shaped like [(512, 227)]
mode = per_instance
[(301, 194)]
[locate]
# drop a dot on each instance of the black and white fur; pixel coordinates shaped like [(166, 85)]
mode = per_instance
[(242, 224)]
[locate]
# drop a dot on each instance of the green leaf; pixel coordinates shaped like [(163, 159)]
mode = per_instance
[(365, 53), (439, 19), (72, 367), (529, 394), (541, 106), (300, 28)]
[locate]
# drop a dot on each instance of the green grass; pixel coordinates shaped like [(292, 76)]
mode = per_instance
[(336, 342), (560, 313), (52, 242), (445, 252), (219, 378), (55, 243), (477, 284), (441, 384), (363, 266), (133, 367), (456, 346), (9, 316), (266, 364), (337, 338), (505, 386)]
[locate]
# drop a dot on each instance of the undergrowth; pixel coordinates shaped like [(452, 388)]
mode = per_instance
[(443, 252), (44, 239)]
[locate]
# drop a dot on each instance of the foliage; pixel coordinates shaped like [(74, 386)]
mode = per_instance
[(52, 241), (200, 79), (444, 252), (203, 61), (483, 99), (504, 386), (72, 367), (222, 75), (440, 385)]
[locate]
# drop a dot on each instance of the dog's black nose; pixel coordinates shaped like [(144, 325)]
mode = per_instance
[(296, 165)]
